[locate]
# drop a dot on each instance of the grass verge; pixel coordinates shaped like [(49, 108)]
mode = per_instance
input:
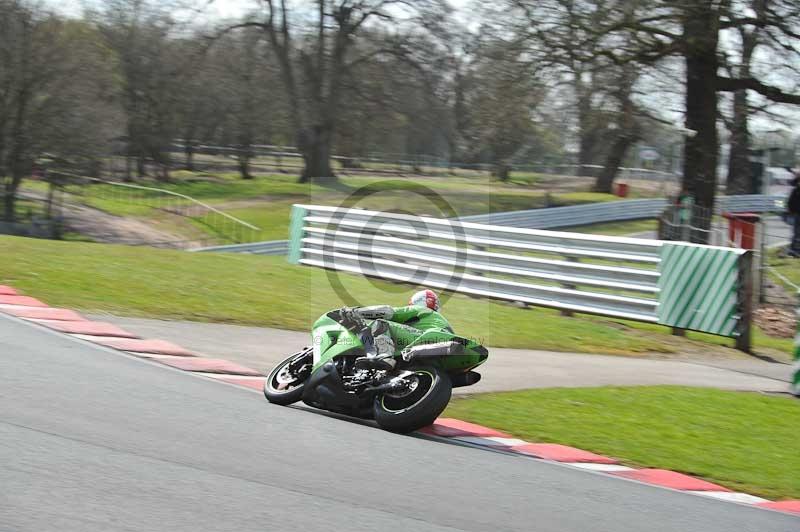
[(788, 267), (266, 291), (265, 200), (743, 441)]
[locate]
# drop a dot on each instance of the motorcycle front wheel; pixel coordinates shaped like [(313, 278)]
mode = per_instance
[(417, 405), (285, 383)]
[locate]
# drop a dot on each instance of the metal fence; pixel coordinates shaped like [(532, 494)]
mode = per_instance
[(761, 234), (101, 193), (557, 217), (274, 158), (616, 211), (682, 285), (272, 247), (795, 388)]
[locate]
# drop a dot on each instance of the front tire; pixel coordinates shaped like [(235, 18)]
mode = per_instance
[(284, 387), (411, 410)]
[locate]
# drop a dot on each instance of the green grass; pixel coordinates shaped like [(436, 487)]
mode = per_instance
[(779, 348), (26, 209), (272, 218), (266, 291), (451, 196), (616, 228), (744, 441), (787, 267)]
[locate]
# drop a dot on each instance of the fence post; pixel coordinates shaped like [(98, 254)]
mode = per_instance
[(762, 262), (795, 387), (296, 234), (745, 297), (569, 313)]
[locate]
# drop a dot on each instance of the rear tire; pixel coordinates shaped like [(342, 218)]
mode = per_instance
[(417, 409), (277, 378)]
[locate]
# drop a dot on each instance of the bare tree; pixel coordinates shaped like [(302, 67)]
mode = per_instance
[(315, 59), (692, 29), (152, 68), (559, 35), (38, 62), (626, 132), (499, 101)]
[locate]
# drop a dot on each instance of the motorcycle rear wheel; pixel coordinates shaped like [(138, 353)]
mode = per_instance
[(418, 407), (279, 387)]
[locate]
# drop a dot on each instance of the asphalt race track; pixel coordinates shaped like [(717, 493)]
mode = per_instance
[(91, 440)]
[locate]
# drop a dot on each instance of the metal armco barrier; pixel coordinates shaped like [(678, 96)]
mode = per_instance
[(270, 247), (682, 285), (555, 217), (616, 211)]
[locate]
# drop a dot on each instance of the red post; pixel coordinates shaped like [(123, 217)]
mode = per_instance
[(742, 229), (622, 190)]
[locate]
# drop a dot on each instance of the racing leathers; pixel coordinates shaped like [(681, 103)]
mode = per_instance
[(392, 329)]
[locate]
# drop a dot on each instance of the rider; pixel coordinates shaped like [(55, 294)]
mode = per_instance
[(393, 327)]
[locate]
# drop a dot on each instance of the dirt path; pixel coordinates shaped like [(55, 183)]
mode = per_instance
[(101, 226), (104, 227)]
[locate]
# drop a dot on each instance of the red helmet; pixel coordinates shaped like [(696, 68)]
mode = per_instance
[(425, 298)]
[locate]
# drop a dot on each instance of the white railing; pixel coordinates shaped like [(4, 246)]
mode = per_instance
[(223, 224)]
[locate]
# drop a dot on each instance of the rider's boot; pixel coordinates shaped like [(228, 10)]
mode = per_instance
[(379, 348)]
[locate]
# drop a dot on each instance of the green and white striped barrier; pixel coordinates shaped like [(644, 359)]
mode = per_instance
[(699, 288), (296, 233)]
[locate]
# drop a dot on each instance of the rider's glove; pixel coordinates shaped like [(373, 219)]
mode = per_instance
[(350, 319)]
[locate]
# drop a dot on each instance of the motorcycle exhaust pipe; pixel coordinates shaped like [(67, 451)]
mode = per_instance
[(438, 349), (381, 388)]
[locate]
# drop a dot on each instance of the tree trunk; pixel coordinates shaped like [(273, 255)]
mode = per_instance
[(502, 171), (350, 163), (243, 158), (128, 178), (605, 181), (740, 173), (19, 159), (316, 149), (51, 191), (2, 149), (164, 162), (740, 179), (189, 151), (9, 201), (4, 180), (700, 32), (163, 175), (629, 130), (587, 137)]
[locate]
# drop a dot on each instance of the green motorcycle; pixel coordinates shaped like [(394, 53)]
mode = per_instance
[(406, 398)]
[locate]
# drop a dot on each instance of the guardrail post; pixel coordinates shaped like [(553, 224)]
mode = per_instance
[(745, 300), (569, 313), (795, 387), (296, 234), (762, 262), (479, 248)]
